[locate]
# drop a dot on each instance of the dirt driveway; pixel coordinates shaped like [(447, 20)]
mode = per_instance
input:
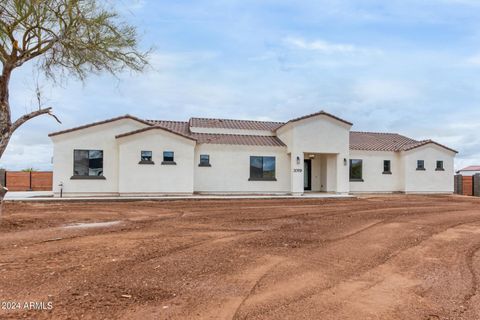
[(380, 257)]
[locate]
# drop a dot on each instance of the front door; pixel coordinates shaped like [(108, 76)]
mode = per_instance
[(307, 174)]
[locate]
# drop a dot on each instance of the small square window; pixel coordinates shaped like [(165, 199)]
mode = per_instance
[(204, 160), (439, 166), (387, 167), (420, 165), (146, 155), (168, 157)]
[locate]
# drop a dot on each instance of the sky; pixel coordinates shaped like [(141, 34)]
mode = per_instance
[(405, 66)]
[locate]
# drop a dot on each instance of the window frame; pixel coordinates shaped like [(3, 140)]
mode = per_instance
[(76, 176), (442, 167), (202, 163), (422, 166), (264, 177), (389, 171), (169, 162), (146, 161), (350, 170)]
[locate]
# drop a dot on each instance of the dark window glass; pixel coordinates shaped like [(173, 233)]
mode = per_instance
[(420, 165), (88, 162), (439, 165), (262, 168), (146, 155), (356, 169), (168, 156), (204, 160), (269, 167), (386, 166)]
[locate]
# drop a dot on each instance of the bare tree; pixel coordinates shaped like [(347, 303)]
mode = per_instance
[(64, 37)]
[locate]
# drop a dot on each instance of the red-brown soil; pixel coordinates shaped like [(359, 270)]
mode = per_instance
[(378, 257)]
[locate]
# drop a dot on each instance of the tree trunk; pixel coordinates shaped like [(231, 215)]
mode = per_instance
[(5, 118)]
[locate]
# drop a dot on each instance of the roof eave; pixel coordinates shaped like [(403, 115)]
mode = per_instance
[(320, 113), (126, 134), (431, 142), (93, 124)]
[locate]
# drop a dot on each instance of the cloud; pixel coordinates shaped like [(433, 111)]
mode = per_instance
[(162, 61), (325, 47), (381, 91), (474, 60), (20, 156)]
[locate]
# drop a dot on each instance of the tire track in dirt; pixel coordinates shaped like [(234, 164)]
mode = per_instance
[(252, 291), (337, 239), (470, 257), (382, 262), (254, 287)]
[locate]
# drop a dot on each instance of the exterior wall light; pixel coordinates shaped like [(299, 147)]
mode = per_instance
[(344, 161), (298, 160)]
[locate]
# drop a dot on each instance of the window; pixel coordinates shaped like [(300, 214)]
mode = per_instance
[(356, 170), (88, 164), (262, 168), (204, 160), (420, 165), (168, 157), (146, 157), (440, 166), (387, 167)]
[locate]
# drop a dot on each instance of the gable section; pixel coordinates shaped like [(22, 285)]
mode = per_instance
[(99, 123), (321, 114), (429, 143)]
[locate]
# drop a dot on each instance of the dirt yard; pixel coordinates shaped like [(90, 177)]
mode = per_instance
[(379, 257)]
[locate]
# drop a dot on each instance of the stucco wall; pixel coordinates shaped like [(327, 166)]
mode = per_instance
[(100, 137), (320, 134), (135, 178), (429, 181), (373, 178), (230, 169)]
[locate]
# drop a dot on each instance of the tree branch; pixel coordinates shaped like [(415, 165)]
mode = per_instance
[(32, 115)]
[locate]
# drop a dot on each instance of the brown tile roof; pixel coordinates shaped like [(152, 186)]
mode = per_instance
[(470, 168), (234, 124), (182, 128), (127, 116), (154, 128), (377, 141), (238, 139), (368, 141), (177, 126)]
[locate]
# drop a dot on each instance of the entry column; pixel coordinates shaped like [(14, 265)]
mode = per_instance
[(296, 173)]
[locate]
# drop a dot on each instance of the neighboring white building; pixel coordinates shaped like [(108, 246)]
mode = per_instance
[(128, 156), (469, 171)]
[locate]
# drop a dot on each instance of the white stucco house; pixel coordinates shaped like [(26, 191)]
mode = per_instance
[(469, 171), (128, 156)]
